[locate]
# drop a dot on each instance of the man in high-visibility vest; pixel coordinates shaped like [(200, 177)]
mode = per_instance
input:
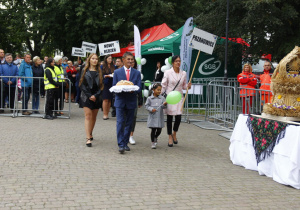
[(59, 71), (51, 87), (265, 81)]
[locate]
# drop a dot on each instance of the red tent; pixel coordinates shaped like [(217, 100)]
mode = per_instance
[(148, 35)]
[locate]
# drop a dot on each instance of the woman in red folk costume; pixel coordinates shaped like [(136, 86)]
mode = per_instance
[(247, 80)]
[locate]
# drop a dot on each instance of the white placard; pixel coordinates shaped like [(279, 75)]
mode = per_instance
[(195, 89), (78, 52), (202, 40), (89, 47), (107, 48)]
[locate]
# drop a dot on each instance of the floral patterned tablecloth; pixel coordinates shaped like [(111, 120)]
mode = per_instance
[(265, 135)]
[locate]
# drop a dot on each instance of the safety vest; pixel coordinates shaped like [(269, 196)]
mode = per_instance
[(246, 92), (59, 73), (47, 84), (265, 81)]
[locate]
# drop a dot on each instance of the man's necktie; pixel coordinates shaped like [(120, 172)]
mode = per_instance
[(127, 74)]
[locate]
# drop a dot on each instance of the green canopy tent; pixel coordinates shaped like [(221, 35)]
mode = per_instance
[(207, 65)]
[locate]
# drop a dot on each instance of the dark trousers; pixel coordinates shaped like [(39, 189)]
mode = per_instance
[(155, 132), (9, 92), (176, 123), (51, 95), (26, 96), (78, 91), (35, 99), (60, 96), (134, 120), (113, 112), (1, 95), (124, 123)]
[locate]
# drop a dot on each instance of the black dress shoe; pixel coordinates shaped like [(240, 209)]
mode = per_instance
[(175, 142), (121, 150), (48, 117), (88, 143), (127, 148), (170, 145)]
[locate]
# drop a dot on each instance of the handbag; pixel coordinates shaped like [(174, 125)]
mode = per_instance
[(164, 94)]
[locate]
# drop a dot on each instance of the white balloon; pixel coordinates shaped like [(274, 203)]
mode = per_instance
[(150, 87), (146, 93), (143, 61), (164, 68), (142, 76), (167, 62)]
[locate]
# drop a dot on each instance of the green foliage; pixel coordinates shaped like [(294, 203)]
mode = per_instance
[(269, 26)]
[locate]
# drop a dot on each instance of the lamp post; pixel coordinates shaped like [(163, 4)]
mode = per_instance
[(226, 42)]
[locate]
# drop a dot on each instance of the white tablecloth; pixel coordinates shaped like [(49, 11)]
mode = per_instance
[(283, 165)]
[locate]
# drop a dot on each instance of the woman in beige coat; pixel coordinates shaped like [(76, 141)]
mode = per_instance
[(174, 77)]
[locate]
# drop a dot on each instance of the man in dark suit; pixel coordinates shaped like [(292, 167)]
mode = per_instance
[(126, 102)]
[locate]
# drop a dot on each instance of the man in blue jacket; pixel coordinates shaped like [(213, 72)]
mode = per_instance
[(9, 83), (25, 70), (125, 102)]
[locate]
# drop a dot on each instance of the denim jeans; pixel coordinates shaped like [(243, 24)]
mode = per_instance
[(26, 96), (35, 100)]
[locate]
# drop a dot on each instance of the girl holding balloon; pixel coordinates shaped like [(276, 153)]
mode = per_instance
[(155, 105), (174, 81)]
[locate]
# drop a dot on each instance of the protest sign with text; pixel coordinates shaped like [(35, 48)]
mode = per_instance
[(202, 40), (89, 47), (107, 48), (79, 52)]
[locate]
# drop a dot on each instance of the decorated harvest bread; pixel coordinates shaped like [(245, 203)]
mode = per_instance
[(124, 82), (285, 86)]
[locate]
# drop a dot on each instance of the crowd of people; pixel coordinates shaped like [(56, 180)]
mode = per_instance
[(90, 83), (248, 82)]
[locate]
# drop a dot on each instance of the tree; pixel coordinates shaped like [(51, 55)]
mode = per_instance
[(269, 26)]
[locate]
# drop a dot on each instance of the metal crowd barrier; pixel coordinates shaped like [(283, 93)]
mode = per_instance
[(221, 106), (226, 102), (217, 100), (13, 97)]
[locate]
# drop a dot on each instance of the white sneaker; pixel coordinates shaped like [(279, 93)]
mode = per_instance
[(153, 145), (131, 140), (155, 141)]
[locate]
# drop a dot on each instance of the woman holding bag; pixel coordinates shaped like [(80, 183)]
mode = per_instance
[(174, 79)]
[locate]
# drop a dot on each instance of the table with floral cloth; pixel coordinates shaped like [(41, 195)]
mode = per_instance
[(268, 146)]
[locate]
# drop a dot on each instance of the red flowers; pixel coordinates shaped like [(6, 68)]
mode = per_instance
[(259, 121), (275, 125), (263, 142), (267, 123)]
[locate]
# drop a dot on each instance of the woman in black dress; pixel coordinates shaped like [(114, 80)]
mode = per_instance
[(91, 84), (107, 70)]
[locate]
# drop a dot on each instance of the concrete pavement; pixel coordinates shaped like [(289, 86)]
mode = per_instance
[(45, 165)]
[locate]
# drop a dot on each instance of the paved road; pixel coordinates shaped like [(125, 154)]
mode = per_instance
[(46, 165)]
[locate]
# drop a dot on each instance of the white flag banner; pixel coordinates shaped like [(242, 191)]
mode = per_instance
[(89, 47), (137, 45), (202, 40), (185, 50), (78, 52), (107, 48)]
